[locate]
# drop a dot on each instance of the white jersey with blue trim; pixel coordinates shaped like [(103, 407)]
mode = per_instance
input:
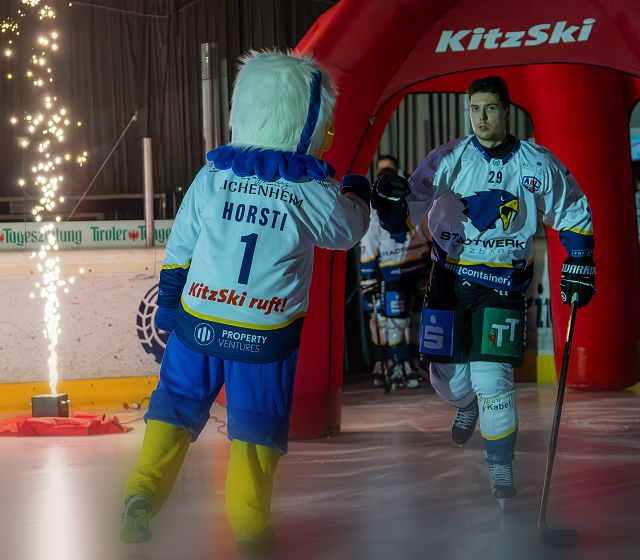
[(482, 211), (398, 256), (239, 259)]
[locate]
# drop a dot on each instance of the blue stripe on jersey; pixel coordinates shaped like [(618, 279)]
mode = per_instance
[(403, 270), (231, 342), (172, 281), (368, 268), (577, 244)]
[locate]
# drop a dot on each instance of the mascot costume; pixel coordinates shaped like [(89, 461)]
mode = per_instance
[(234, 288)]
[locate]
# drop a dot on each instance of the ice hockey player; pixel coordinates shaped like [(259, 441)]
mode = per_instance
[(234, 289), (392, 273), (482, 194)]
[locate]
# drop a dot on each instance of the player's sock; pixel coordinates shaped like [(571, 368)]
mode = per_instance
[(135, 519), (465, 422), (501, 478)]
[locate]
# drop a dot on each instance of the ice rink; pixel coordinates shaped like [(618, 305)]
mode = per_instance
[(392, 486)]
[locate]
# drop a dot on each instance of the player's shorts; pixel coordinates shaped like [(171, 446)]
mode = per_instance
[(259, 396), (463, 322)]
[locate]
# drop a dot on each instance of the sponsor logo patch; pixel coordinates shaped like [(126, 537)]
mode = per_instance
[(531, 183), (204, 334), (436, 332)]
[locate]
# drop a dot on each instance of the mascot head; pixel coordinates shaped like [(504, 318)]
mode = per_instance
[(282, 102)]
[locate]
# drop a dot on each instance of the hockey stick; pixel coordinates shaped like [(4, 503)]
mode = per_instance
[(558, 538)]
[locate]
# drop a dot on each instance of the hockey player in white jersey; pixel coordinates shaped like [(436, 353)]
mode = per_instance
[(234, 288), (392, 270), (482, 194)]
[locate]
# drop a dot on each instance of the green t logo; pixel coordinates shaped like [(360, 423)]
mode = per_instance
[(502, 332)]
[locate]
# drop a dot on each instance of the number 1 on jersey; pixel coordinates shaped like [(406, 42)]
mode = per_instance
[(247, 259)]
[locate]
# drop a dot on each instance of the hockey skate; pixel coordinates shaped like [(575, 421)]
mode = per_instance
[(465, 422), (502, 487), (410, 377), (135, 520), (377, 374)]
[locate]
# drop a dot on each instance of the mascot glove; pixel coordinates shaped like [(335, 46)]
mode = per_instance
[(165, 318)]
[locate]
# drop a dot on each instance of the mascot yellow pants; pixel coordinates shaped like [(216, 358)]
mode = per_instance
[(249, 478)]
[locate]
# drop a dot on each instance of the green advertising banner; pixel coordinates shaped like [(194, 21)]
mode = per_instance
[(17, 236)]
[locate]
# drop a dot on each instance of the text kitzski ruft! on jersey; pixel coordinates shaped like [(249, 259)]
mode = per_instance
[(240, 257), (482, 211)]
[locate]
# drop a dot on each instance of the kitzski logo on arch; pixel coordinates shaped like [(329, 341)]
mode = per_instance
[(495, 38)]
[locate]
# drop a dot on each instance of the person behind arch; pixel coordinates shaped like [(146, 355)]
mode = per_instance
[(393, 265), (482, 193)]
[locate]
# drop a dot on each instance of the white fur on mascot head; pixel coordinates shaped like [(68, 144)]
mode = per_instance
[(282, 102)]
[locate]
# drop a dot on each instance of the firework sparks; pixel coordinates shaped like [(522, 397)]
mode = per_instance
[(43, 131)]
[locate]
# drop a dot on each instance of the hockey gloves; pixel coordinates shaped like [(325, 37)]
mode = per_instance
[(165, 318), (358, 185), (388, 199), (578, 277)]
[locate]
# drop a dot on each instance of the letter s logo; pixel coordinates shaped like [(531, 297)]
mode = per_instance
[(433, 335)]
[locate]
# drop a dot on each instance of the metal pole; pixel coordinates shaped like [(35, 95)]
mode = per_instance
[(207, 102), (148, 192)]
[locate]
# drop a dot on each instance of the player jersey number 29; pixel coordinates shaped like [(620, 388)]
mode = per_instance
[(247, 259)]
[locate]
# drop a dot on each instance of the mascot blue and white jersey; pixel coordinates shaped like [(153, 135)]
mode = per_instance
[(482, 211), (240, 258), (398, 255)]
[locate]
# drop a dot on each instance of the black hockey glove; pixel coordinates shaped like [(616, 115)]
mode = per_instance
[(388, 199), (358, 185), (578, 277)]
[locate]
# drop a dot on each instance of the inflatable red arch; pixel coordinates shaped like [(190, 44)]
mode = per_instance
[(574, 66)]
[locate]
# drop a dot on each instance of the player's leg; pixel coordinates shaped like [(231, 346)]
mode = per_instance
[(397, 313), (259, 399), (178, 411), (498, 345), (445, 342), (379, 349), (494, 385)]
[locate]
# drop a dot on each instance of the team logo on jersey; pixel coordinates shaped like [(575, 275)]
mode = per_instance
[(485, 208), (531, 183)]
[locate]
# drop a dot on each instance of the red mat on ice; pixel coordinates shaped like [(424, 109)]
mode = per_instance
[(79, 424)]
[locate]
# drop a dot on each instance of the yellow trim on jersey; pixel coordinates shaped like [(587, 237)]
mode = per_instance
[(492, 265), (368, 260), (501, 436), (240, 323), (173, 266), (400, 262), (580, 231)]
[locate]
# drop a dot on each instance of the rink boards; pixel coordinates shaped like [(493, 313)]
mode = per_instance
[(109, 351)]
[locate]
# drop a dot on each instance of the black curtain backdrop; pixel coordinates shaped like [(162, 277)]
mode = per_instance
[(119, 56)]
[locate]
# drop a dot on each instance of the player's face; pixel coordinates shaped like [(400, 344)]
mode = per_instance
[(488, 118), (386, 164)]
